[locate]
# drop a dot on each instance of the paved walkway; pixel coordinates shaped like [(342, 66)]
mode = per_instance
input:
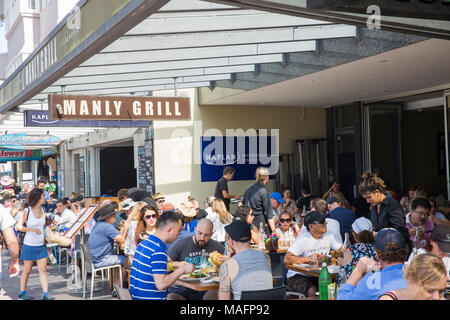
[(57, 284)]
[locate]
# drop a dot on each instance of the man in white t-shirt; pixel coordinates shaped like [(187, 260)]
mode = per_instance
[(6, 228), (65, 217), (314, 242)]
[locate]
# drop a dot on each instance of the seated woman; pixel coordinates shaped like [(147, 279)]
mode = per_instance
[(146, 225), (363, 246), (245, 213), (130, 227), (288, 229), (427, 279), (289, 205)]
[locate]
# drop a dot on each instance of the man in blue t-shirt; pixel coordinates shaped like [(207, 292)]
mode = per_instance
[(364, 284), (102, 238), (149, 277), (344, 216)]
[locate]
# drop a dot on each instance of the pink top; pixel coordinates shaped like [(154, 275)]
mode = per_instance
[(429, 226)]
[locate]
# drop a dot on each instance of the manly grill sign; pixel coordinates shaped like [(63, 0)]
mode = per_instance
[(84, 107)]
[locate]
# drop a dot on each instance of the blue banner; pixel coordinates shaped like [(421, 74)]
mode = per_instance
[(245, 154), (35, 118)]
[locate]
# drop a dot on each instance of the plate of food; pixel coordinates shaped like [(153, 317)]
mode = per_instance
[(194, 276), (215, 279)]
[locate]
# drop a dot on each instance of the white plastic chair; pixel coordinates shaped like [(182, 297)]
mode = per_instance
[(89, 264)]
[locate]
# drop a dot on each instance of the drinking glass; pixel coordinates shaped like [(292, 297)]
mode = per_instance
[(314, 262)]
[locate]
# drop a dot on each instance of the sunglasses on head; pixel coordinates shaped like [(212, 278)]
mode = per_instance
[(285, 220), (150, 216)]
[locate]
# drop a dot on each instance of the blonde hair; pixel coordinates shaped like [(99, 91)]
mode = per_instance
[(425, 269), (341, 199), (135, 212), (218, 206), (261, 174)]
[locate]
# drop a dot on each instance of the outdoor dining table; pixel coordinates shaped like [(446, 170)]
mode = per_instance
[(198, 285), (315, 272)]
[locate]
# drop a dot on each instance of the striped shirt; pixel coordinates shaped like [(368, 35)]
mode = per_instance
[(150, 258)]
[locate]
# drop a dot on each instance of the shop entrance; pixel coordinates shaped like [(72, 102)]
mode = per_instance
[(117, 169)]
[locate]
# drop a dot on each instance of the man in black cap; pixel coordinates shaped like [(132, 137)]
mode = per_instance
[(314, 245), (102, 238), (248, 269)]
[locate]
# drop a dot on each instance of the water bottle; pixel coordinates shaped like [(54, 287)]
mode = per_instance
[(324, 281), (204, 261)]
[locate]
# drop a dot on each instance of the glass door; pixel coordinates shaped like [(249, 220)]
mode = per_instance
[(384, 145)]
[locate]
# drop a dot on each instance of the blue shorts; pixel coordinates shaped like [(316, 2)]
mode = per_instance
[(110, 260), (33, 253)]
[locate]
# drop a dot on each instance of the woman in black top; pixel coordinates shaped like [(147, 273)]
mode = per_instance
[(385, 212)]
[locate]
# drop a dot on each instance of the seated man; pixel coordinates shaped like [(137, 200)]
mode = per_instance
[(392, 252), (65, 217), (101, 240), (190, 250), (248, 269), (149, 276), (316, 244)]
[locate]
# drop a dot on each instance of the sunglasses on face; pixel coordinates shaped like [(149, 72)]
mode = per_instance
[(285, 220), (150, 216), (160, 201)]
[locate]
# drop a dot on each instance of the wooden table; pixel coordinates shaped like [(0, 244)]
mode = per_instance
[(308, 271), (266, 251), (198, 285)]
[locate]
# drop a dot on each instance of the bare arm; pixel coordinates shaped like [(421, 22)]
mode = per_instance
[(225, 282), (291, 258), (13, 245), (163, 281), (22, 221), (227, 195)]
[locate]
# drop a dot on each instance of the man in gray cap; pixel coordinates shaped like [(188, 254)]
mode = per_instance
[(102, 238)]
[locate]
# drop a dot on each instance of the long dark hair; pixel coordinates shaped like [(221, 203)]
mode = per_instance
[(141, 227), (34, 196)]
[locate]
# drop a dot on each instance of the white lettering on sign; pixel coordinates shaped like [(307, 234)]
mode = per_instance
[(177, 109), (84, 109), (107, 109), (69, 107), (168, 113), (149, 108), (159, 108), (96, 108), (137, 108), (117, 106)]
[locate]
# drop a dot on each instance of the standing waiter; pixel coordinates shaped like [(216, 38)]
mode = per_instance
[(222, 187), (258, 198)]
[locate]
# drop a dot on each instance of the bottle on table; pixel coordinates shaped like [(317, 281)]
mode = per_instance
[(262, 236), (324, 281)]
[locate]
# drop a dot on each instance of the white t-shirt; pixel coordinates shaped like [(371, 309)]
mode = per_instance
[(67, 219), (218, 226), (333, 228), (306, 245)]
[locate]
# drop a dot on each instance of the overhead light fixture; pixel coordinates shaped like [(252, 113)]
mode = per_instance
[(310, 80), (383, 61)]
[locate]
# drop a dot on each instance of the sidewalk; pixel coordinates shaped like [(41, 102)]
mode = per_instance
[(57, 284)]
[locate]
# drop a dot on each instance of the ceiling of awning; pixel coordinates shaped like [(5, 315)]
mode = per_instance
[(192, 44)]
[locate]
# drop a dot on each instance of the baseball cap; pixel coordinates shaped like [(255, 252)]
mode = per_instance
[(168, 207), (127, 204), (331, 200), (389, 235), (441, 235), (362, 224), (239, 231), (313, 217), (277, 196)]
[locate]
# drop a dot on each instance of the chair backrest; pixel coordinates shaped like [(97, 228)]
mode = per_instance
[(122, 293), (277, 293), (87, 255)]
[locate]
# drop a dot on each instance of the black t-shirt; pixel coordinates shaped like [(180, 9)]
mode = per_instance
[(304, 201), (222, 184), (201, 214), (186, 250)]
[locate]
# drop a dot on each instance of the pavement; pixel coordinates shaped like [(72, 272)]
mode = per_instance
[(57, 283)]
